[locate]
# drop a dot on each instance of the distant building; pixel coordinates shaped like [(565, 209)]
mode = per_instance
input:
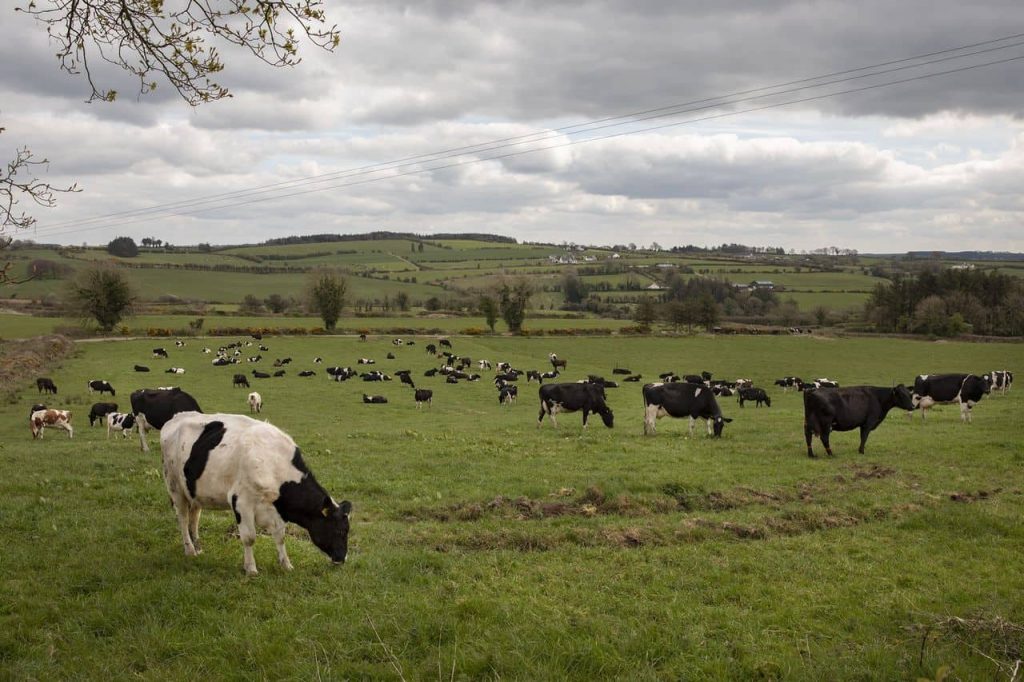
[(962, 266), (654, 287), (761, 285)]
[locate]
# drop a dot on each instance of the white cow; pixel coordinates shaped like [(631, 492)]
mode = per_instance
[(230, 461), (255, 401)]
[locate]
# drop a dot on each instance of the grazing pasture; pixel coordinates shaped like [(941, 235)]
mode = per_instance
[(484, 545)]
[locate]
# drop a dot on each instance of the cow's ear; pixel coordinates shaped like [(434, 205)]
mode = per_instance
[(346, 507), (327, 506)]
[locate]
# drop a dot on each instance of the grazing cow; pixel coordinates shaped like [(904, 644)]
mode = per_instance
[(445, 343), (362, 337), (160, 353), (845, 409), (230, 461), (240, 380), (423, 395), (175, 370), (153, 409), (374, 399), (99, 411), (787, 383), (120, 422), (406, 379), (255, 402), (260, 375), (555, 398), (508, 394), (682, 399), (101, 386), (40, 419), (1002, 379), (141, 368), (307, 373), (755, 394), (430, 348), (179, 344), (557, 362), (963, 389), (46, 384)]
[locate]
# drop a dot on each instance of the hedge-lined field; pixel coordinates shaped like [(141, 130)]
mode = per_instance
[(483, 545)]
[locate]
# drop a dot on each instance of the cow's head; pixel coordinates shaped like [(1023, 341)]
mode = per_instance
[(329, 529), (986, 381), (903, 398), (719, 424), (607, 416)]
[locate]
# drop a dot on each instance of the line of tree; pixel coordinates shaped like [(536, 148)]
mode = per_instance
[(946, 302), (382, 235)]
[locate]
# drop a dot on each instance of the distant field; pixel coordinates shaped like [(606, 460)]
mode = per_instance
[(832, 300), (487, 548)]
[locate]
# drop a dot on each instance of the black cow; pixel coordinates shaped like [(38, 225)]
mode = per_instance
[(682, 399), (260, 375), (100, 410), (846, 409), (46, 384), (634, 379), (374, 399), (694, 379), (963, 389), (622, 370), (154, 408), (755, 394), (423, 395), (445, 343), (406, 379), (141, 368), (307, 373), (159, 352), (240, 380), (279, 373), (101, 386), (431, 348), (555, 398)]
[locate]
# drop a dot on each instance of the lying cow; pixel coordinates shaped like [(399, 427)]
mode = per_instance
[(374, 399), (227, 461), (40, 419), (682, 399), (120, 422), (965, 390), (845, 409), (555, 398)]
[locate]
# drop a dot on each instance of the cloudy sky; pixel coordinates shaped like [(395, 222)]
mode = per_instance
[(379, 134)]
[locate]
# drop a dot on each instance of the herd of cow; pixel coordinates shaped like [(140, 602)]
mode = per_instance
[(228, 461)]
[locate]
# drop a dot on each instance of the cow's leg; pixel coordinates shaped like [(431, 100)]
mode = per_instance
[(247, 534), (965, 412), (826, 428), (865, 430), (692, 422), (183, 510), (808, 435), (708, 421), (650, 419), (193, 526), (277, 531), (585, 415), (540, 417), (69, 429), (141, 419)]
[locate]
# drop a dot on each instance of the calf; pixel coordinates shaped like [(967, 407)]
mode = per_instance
[(965, 390), (154, 408), (228, 461), (845, 409), (255, 401), (159, 352), (755, 394), (682, 399), (555, 398), (40, 419), (46, 384), (374, 399), (423, 395), (240, 380), (101, 386), (99, 411), (120, 422), (141, 368)]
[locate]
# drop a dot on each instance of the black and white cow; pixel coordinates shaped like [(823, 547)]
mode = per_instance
[(100, 386), (154, 408), (175, 370), (787, 383), (635, 378), (423, 395), (1002, 380), (374, 399), (508, 394), (220, 362), (965, 390), (230, 461), (159, 352), (366, 361), (757, 395), (846, 409), (117, 421), (557, 362), (682, 399), (99, 411), (307, 373), (179, 344), (46, 384), (555, 398)]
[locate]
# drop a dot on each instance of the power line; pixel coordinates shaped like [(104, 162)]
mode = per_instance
[(260, 195)]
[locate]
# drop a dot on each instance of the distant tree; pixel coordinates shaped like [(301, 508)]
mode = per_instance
[(489, 309), (250, 305), (326, 294), (820, 315), (432, 303), (573, 288), (421, 247), (276, 303), (645, 313), (43, 268), (931, 316), (513, 300), (402, 301), (707, 312), (123, 247), (102, 293)]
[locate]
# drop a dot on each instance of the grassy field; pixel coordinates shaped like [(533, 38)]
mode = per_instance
[(483, 547)]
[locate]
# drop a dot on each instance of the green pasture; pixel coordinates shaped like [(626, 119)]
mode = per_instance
[(833, 300), (483, 547)]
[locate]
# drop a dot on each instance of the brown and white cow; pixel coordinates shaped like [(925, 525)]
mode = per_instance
[(40, 419)]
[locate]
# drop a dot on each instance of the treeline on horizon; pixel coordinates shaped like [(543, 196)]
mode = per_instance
[(947, 302), (385, 235)]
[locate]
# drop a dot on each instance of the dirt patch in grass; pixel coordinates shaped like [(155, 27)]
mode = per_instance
[(999, 640), (977, 496)]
